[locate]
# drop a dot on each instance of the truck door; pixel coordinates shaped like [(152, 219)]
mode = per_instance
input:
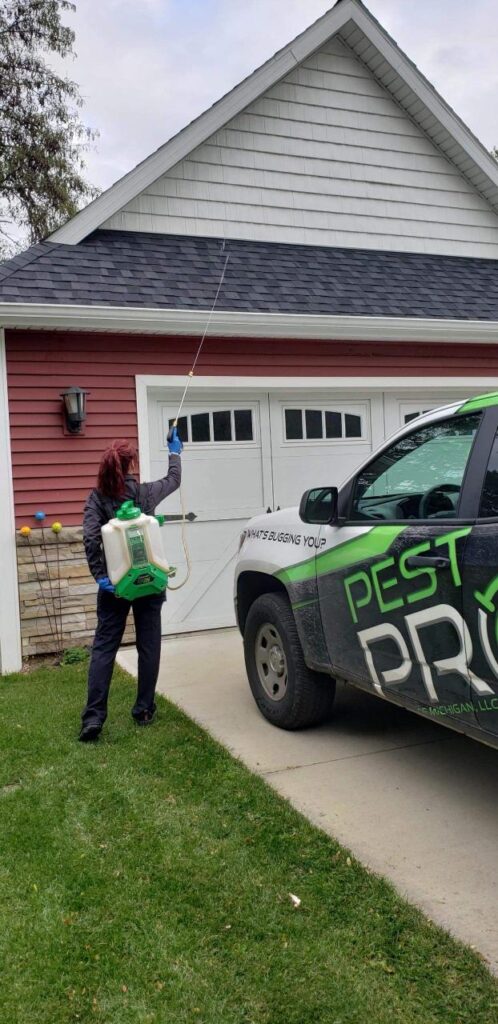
[(391, 592), (480, 591)]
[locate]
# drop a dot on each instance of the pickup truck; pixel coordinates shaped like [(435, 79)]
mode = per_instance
[(389, 583)]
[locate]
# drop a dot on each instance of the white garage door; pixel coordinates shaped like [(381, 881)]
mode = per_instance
[(246, 453)]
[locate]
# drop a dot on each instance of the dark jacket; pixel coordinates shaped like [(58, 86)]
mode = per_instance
[(98, 510)]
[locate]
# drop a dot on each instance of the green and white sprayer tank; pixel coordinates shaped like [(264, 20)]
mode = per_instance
[(134, 555)]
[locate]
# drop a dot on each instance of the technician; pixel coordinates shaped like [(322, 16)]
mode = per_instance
[(115, 483)]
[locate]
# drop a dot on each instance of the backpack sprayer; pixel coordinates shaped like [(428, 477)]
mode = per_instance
[(135, 561), (134, 555)]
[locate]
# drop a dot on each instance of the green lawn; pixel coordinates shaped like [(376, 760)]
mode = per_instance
[(146, 879)]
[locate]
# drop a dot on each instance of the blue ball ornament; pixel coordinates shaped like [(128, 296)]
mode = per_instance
[(40, 516)]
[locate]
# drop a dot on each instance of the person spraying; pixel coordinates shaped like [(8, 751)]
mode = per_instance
[(116, 485)]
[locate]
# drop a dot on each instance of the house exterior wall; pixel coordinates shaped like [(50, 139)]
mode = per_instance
[(325, 157), (55, 472)]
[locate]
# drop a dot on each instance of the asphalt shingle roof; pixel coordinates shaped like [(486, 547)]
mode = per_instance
[(125, 268)]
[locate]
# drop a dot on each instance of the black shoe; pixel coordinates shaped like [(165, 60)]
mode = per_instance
[(145, 717), (89, 733)]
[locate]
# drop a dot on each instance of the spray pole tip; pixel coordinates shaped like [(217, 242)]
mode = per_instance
[(25, 531), (39, 516), (56, 527)]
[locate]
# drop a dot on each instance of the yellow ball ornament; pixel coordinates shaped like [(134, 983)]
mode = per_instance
[(25, 531), (56, 527)]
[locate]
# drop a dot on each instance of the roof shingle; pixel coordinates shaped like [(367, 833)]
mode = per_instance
[(125, 268)]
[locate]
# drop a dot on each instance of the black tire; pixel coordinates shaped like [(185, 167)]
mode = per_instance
[(303, 697)]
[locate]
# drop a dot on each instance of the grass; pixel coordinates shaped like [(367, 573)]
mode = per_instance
[(147, 879)]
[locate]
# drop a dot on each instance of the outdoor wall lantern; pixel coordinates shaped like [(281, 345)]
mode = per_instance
[(74, 400)]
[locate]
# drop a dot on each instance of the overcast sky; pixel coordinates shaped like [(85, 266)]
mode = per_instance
[(147, 67)]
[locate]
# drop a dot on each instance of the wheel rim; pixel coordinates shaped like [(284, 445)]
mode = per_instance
[(271, 662)]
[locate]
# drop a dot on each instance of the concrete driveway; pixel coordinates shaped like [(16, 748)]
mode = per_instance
[(412, 800)]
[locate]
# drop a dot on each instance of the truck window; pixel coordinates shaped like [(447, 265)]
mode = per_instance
[(420, 476), (489, 497)]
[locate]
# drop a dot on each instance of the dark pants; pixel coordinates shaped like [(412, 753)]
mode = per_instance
[(112, 613)]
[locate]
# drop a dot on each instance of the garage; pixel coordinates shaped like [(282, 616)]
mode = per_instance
[(252, 451)]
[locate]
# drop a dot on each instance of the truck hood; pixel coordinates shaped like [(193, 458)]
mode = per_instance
[(276, 520)]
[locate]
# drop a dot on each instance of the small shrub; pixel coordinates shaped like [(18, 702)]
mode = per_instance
[(74, 655)]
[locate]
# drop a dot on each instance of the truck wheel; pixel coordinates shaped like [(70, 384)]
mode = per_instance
[(287, 692)]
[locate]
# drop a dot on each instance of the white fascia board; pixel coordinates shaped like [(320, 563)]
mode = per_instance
[(426, 92), (10, 625), (195, 133), (246, 325)]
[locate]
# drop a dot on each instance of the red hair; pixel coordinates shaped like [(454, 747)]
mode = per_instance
[(114, 466)]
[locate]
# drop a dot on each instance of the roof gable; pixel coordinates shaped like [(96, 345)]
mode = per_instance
[(468, 226), (324, 157)]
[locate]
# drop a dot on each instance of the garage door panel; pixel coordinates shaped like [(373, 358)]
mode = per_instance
[(304, 452), (294, 475), (224, 483), (213, 612), (200, 552), (214, 488), (210, 592), (233, 483)]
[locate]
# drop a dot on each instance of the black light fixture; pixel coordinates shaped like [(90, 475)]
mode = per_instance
[(74, 400)]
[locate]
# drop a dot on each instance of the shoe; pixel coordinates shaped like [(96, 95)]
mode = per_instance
[(89, 733), (145, 717)]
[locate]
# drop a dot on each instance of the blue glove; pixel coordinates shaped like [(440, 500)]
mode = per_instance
[(105, 584), (175, 445)]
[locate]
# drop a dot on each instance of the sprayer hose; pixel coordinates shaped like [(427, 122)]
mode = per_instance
[(185, 547)]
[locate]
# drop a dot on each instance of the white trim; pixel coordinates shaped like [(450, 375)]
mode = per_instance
[(246, 325), (138, 179), (10, 624), (141, 388), (471, 385)]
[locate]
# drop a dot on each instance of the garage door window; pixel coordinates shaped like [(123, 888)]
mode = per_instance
[(321, 425), (409, 416), (219, 426)]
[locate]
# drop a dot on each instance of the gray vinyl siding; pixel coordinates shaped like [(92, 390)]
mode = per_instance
[(325, 157)]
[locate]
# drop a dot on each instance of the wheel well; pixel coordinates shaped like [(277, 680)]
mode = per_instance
[(251, 585)]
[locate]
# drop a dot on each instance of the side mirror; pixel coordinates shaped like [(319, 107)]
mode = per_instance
[(319, 505)]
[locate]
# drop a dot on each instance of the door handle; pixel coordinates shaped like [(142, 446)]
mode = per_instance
[(189, 516), (437, 561)]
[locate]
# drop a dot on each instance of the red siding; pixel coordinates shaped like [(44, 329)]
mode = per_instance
[(55, 472)]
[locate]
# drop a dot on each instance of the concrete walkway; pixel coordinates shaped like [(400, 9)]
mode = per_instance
[(412, 800)]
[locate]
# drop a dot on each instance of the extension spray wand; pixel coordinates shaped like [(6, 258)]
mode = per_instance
[(134, 556), (178, 414)]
